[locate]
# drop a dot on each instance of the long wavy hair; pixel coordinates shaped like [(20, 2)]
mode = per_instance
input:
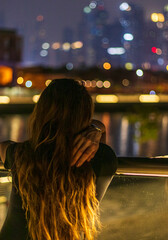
[(59, 200)]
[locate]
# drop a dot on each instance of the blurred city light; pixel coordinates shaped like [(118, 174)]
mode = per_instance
[(149, 98), (99, 84), (152, 92), (88, 83), (139, 73), (69, 66), (20, 80), (106, 84), (87, 9), (93, 4), (106, 66), (93, 83), (128, 37), (129, 66), (124, 6), (43, 53), (56, 45), (48, 82), (166, 8), (4, 99), (66, 46), (40, 18), (154, 49), (106, 99), (116, 50), (6, 75), (125, 82), (45, 45), (35, 98), (5, 180), (157, 17), (167, 67), (28, 84), (158, 51), (77, 44), (160, 61)]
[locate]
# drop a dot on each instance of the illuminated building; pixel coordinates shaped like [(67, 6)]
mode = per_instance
[(66, 54), (92, 31), (165, 38), (10, 55), (132, 21), (11, 47)]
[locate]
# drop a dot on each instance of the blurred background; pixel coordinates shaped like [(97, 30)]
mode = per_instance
[(120, 51)]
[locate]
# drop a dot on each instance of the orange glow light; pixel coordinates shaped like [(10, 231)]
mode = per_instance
[(107, 66), (6, 75)]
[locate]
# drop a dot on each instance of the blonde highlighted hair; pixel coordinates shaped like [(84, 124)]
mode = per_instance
[(59, 200)]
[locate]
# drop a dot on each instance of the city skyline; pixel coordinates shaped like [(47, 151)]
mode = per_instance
[(35, 24), (25, 14)]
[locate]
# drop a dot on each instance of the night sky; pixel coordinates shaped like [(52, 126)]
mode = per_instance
[(21, 14)]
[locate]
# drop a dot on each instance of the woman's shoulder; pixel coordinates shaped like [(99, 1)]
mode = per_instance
[(105, 161)]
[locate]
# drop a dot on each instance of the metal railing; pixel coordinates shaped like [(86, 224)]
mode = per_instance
[(134, 166)]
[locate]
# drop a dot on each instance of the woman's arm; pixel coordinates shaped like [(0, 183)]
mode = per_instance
[(86, 144), (3, 148)]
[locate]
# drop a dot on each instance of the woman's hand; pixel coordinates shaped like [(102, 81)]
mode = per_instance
[(86, 144)]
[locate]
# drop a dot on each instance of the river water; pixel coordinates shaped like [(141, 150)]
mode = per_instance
[(133, 208), (144, 134)]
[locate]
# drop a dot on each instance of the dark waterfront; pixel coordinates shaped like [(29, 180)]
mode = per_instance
[(133, 207), (142, 134)]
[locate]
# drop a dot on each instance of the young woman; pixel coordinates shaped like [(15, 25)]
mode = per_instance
[(62, 172)]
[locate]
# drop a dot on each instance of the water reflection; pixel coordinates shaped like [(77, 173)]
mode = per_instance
[(136, 134)]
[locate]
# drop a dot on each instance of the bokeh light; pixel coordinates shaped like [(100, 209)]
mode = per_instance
[(152, 92), (158, 51), (87, 9), (160, 61), (129, 66), (116, 51), (106, 84), (167, 67), (56, 45), (154, 49), (4, 99), (35, 98), (45, 45), (20, 80), (77, 44), (40, 18), (93, 4), (124, 6), (139, 73), (48, 82), (43, 53), (128, 37), (106, 66), (28, 83), (66, 46), (99, 84), (125, 82), (69, 66)]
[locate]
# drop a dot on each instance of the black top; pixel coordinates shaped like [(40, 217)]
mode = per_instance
[(104, 165)]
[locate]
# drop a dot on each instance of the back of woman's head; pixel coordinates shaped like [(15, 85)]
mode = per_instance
[(64, 106), (59, 200)]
